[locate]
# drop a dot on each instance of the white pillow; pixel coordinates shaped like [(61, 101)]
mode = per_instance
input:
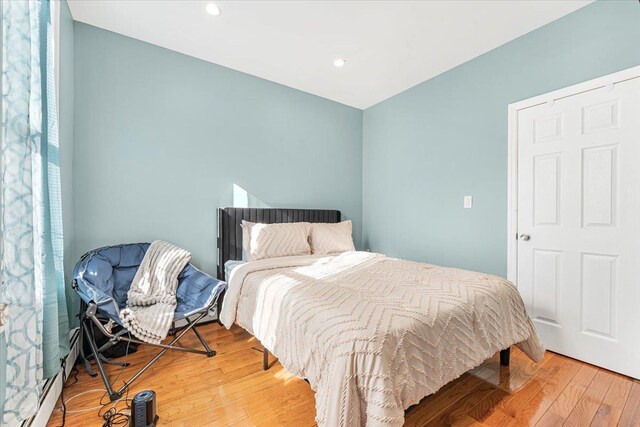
[(261, 241), (331, 238)]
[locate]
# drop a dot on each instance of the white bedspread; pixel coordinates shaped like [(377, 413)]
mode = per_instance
[(374, 335)]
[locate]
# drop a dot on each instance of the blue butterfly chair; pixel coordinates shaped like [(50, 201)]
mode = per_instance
[(102, 279)]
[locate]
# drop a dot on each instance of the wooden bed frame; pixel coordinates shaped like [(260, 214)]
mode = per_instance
[(229, 240)]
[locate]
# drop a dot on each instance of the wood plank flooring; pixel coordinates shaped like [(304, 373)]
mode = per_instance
[(231, 389)]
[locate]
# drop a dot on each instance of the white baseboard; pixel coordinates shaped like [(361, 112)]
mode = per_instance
[(53, 386)]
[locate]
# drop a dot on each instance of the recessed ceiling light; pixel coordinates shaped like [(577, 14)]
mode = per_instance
[(339, 62), (212, 9)]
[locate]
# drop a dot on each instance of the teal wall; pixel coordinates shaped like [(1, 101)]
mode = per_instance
[(428, 147), (65, 101), (160, 138)]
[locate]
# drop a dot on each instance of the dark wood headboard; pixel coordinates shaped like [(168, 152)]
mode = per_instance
[(230, 232)]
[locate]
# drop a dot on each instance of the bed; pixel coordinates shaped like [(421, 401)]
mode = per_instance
[(371, 334)]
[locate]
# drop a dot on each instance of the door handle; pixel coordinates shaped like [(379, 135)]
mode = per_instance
[(525, 237)]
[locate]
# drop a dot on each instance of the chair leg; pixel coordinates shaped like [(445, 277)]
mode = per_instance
[(82, 356), (210, 353), (505, 356), (113, 395), (157, 356)]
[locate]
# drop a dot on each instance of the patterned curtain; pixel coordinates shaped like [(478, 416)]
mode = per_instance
[(36, 329)]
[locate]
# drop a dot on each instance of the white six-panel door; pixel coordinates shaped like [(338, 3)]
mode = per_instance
[(578, 223)]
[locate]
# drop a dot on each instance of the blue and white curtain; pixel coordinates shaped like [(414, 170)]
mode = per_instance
[(32, 282)]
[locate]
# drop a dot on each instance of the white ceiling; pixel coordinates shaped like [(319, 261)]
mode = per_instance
[(389, 45)]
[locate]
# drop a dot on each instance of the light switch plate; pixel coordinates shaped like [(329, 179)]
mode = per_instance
[(468, 202)]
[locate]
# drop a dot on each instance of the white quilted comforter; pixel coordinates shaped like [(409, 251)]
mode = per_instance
[(374, 335)]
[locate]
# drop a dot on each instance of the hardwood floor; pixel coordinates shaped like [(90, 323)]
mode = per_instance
[(232, 389)]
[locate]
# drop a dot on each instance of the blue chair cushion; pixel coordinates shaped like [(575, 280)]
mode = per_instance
[(107, 272)]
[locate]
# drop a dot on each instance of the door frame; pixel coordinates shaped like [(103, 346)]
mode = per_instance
[(512, 151)]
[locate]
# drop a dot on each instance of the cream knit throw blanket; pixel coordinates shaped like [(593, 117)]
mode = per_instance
[(151, 300)]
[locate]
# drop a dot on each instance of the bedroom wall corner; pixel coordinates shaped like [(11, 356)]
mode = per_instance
[(66, 124), (428, 147), (162, 139)]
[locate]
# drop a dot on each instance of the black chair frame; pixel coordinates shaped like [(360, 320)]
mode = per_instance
[(89, 314)]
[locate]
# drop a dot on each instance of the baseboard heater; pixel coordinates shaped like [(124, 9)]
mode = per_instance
[(53, 386)]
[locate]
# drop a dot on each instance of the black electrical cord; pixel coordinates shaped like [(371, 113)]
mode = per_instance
[(113, 417), (63, 405), (63, 370), (74, 372)]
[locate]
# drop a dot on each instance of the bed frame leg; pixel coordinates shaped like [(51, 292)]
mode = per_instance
[(265, 359), (505, 356)]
